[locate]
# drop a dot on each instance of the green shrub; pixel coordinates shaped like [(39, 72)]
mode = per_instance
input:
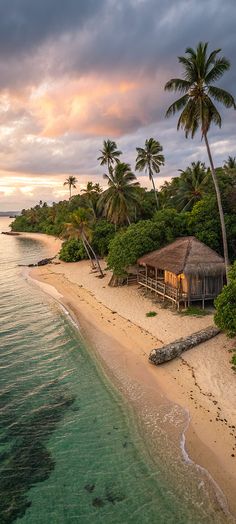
[(225, 303), (151, 314), (103, 233), (72, 251), (130, 244), (174, 224), (233, 361)]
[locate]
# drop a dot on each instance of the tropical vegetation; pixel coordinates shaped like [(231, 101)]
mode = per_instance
[(225, 304), (122, 221)]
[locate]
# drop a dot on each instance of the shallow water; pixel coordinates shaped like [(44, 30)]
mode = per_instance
[(70, 447)]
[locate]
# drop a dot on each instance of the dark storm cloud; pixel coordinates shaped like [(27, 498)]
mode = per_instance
[(107, 36), (25, 24)]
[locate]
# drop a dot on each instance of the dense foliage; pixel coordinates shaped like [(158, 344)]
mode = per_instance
[(147, 235), (72, 251), (225, 317), (149, 229)]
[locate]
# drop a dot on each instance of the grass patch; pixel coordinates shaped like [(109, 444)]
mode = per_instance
[(194, 311), (233, 362), (151, 314)]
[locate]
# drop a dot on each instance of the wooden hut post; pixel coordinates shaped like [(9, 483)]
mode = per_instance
[(189, 293), (146, 274), (156, 278), (204, 292)]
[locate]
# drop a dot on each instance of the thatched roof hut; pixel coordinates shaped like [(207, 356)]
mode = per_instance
[(188, 266)]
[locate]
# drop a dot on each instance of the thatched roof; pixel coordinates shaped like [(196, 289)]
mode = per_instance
[(186, 255)]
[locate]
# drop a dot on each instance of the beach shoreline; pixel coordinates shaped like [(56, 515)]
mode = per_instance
[(123, 343)]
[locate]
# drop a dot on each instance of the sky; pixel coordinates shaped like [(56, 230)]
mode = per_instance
[(76, 72)]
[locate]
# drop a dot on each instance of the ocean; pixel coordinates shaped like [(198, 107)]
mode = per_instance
[(71, 450)]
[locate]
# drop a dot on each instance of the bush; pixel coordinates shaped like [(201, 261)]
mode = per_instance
[(151, 314), (204, 224), (102, 235), (174, 224), (225, 303), (72, 251), (233, 361), (147, 235), (130, 244)]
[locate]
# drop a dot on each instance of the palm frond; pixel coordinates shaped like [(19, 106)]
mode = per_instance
[(177, 84), (177, 106), (220, 67), (222, 96)]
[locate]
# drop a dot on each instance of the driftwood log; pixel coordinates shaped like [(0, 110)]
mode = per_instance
[(174, 349), (42, 262), (10, 233)]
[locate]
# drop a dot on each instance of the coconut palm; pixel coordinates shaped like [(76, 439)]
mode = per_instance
[(230, 163), (201, 70), (110, 154), (192, 186), (149, 159), (91, 195), (80, 227), (121, 195), (71, 181)]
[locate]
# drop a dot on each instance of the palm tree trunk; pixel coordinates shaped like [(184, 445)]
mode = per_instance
[(95, 256), (70, 190), (154, 188), (221, 213), (87, 251)]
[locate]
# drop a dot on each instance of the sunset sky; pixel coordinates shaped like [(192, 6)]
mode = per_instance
[(75, 72)]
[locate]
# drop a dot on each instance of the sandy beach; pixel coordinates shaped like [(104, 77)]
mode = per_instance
[(201, 381)]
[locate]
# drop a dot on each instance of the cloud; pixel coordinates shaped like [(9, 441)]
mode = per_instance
[(73, 73)]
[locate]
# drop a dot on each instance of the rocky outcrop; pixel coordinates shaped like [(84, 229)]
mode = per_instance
[(174, 349)]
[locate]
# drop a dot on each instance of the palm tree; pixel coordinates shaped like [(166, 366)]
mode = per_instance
[(230, 163), (110, 154), (192, 185), (91, 194), (198, 110), (150, 159), (80, 227), (121, 194), (71, 181)]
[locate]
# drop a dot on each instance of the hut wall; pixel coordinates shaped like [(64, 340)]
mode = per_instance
[(196, 286), (205, 286), (171, 279), (183, 283)]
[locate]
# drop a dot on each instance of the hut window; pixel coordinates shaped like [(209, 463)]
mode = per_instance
[(151, 272)]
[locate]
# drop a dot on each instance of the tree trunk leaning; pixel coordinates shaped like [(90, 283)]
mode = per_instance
[(87, 251), (221, 213)]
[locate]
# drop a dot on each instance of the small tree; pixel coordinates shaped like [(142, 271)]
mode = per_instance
[(71, 181), (80, 227), (150, 159)]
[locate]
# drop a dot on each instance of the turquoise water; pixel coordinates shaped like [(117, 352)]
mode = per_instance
[(70, 451)]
